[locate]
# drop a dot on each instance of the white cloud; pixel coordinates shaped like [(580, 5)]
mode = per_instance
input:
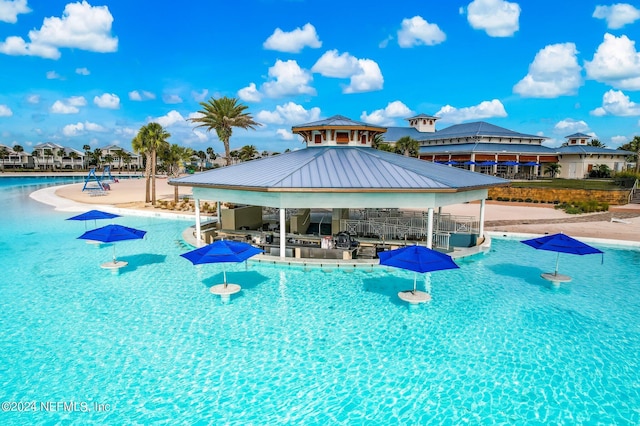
[(83, 71), (143, 95), (285, 135), (68, 106), (129, 132), (82, 26), (171, 99), (5, 111), (569, 125), (33, 99), (617, 15), (616, 63), (52, 75), (368, 78), (332, 64), (172, 118), (416, 31), (498, 18), (614, 102), (387, 116), (81, 128), (202, 136), (10, 9), (200, 96), (107, 100), (486, 109), (250, 93), (294, 41), (620, 140), (289, 113), (365, 74), (289, 79), (554, 72)]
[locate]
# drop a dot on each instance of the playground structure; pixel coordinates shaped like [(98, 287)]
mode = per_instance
[(98, 185)]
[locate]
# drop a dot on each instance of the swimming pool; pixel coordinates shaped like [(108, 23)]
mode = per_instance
[(151, 344)]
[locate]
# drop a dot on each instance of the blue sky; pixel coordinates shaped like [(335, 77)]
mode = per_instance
[(93, 72)]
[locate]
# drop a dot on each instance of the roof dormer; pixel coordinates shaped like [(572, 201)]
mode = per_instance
[(423, 123)]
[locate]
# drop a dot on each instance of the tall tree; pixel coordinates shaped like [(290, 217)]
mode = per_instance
[(48, 153), (597, 143), (174, 157), (34, 155), (248, 153), (120, 154), (74, 156), (18, 149), (222, 115), (149, 140), (552, 169), (4, 154), (87, 156), (633, 145), (407, 146), (211, 154)]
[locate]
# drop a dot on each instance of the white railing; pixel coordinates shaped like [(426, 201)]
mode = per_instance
[(633, 191)]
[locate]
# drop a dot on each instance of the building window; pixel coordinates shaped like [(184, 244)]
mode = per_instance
[(317, 138), (342, 137)]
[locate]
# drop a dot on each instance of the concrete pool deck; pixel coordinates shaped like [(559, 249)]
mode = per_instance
[(620, 223)]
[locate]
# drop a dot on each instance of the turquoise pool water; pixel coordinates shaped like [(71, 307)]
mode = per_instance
[(151, 345)]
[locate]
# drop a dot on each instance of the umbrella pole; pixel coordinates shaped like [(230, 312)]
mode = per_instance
[(557, 259), (224, 275), (415, 278), (114, 253)]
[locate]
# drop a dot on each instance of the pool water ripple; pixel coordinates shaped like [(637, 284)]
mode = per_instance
[(496, 345)]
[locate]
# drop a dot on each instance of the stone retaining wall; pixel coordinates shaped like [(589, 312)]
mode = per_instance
[(546, 195)]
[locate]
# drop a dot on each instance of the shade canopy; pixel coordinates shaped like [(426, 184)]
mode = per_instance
[(112, 233), (487, 163), (530, 163), (561, 243), (468, 163), (93, 215), (222, 251), (509, 163), (417, 259)]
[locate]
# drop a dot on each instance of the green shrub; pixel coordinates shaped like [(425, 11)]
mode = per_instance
[(528, 200)]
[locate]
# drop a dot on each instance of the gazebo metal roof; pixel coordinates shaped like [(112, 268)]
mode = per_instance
[(340, 177)]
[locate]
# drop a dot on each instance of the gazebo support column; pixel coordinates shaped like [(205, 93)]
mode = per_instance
[(482, 208), (218, 215), (196, 203), (283, 234), (430, 227), (336, 216)]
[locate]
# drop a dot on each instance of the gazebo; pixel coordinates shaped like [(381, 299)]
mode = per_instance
[(339, 170)]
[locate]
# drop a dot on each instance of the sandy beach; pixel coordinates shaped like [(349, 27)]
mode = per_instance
[(620, 223)]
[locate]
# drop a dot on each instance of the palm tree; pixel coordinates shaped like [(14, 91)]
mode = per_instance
[(378, 141), (87, 157), (211, 154), (126, 159), (108, 159), (222, 115), (235, 155), (149, 140), (34, 155), (120, 154), (633, 145), (247, 153), (48, 153), (74, 156), (96, 157), (552, 169), (174, 157), (596, 142), (407, 146), (4, 154), (18, 149), (202, 156)]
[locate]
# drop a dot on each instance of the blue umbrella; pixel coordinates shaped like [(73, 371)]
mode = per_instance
[(223, 251), (94, 215), (112, 234), (530, 163), (561, 243), (418, 259), (487, 163), (509, 163), (468, 163), (450, 162)]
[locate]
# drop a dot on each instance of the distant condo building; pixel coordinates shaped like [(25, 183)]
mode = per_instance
[(486, 148)]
